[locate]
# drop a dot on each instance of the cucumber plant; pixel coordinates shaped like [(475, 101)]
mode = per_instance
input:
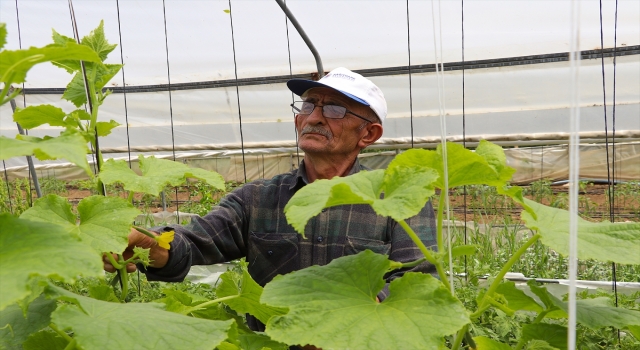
[(332, 306)]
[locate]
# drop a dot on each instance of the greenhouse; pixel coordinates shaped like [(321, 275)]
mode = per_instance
[(505, 164)]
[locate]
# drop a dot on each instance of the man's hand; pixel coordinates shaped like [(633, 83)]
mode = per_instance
[(158, 255)]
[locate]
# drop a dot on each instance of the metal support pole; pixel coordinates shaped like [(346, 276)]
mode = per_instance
[(304, 36), (32, 169)]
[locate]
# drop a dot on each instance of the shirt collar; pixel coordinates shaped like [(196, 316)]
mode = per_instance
[(301, 178)]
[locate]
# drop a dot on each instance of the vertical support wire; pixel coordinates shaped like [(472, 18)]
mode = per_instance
[(613, 144), (410, 88), (286, 24), (95, 152), (33, 176), (574, 166), (124, 84), (126, 114), (604, 104), (464, 144), (6, 179), (173, 142), (235, 66), (443, 127)]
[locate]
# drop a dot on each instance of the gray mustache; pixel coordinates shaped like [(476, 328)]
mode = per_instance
[(316, 130)]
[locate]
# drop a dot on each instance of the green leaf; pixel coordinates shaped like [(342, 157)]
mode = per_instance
[(15, 64), (34, 116), (537, 344), (254, 341), (555, 335), (334, 306), (248, 300), (604, 241), (98, 42), (75, 91), (3, 34), (485, 166), (104, 128), (133, 325), (105, 222), (179, 302), (484, 343), (517, 299), (30, 248), (69, 146), (406, 190), (156, 174), (45, 340), (464, 250), (103, 292), (635, 330), (15, 327), (593, 313)]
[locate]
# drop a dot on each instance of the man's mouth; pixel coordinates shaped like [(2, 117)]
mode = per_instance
[(317, 131)]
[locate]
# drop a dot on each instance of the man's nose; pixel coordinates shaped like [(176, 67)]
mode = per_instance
[(316, 116)]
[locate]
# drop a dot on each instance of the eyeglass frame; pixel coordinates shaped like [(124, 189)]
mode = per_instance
[(297, 111)]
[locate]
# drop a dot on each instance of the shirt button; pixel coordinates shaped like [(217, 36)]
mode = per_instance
[(319, 239), (270, 252)]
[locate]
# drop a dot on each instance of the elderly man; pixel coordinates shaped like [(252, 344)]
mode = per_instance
[(339, 116)]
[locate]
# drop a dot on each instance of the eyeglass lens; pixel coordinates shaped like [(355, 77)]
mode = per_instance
[(328, 111)]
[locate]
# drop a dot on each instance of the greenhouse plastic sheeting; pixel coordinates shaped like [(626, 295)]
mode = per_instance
[(531, 163)]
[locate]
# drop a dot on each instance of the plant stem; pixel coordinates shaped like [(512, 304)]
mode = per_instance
[(457, 341), (494, 285), (409, 264), (60, 332), (426, 252), (541, 316), (439, 235), (71, 345), (113, 261), (145, 231), (124, 278), (207, 304)]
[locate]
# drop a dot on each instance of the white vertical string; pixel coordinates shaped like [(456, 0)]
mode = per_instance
[(574, 166), (443, 126)]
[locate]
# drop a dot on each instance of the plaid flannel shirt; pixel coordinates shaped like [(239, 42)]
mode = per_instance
[(250, 222)]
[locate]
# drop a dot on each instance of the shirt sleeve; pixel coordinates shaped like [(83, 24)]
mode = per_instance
[(403, 249), (219, 236)]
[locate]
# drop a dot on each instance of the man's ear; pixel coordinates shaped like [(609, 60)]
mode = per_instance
[(372, 133)]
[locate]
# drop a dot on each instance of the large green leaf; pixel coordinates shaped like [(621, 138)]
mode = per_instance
[(486, 166), (15, 64), (517, 299), (406, 190), (105, 222), (254, 341), (15, 327), (334, 306), (604, 241), (3, 34), (71, 147), (248, 294), (98, 42), (134, 325), (75, 91), (104, 128), (46, 339), (555, 335), (597, 313), (484, 343), (30, 248), (156, 174), (34, 116)]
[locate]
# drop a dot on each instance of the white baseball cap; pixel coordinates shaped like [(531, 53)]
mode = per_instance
[(350, 84)]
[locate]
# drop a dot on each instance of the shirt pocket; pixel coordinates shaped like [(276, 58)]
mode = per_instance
[(272, 254), (355, 245)]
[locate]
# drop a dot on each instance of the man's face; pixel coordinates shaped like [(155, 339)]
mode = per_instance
[(320, 135)]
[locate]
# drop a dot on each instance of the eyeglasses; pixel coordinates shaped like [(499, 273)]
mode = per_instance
[(328, 111)]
